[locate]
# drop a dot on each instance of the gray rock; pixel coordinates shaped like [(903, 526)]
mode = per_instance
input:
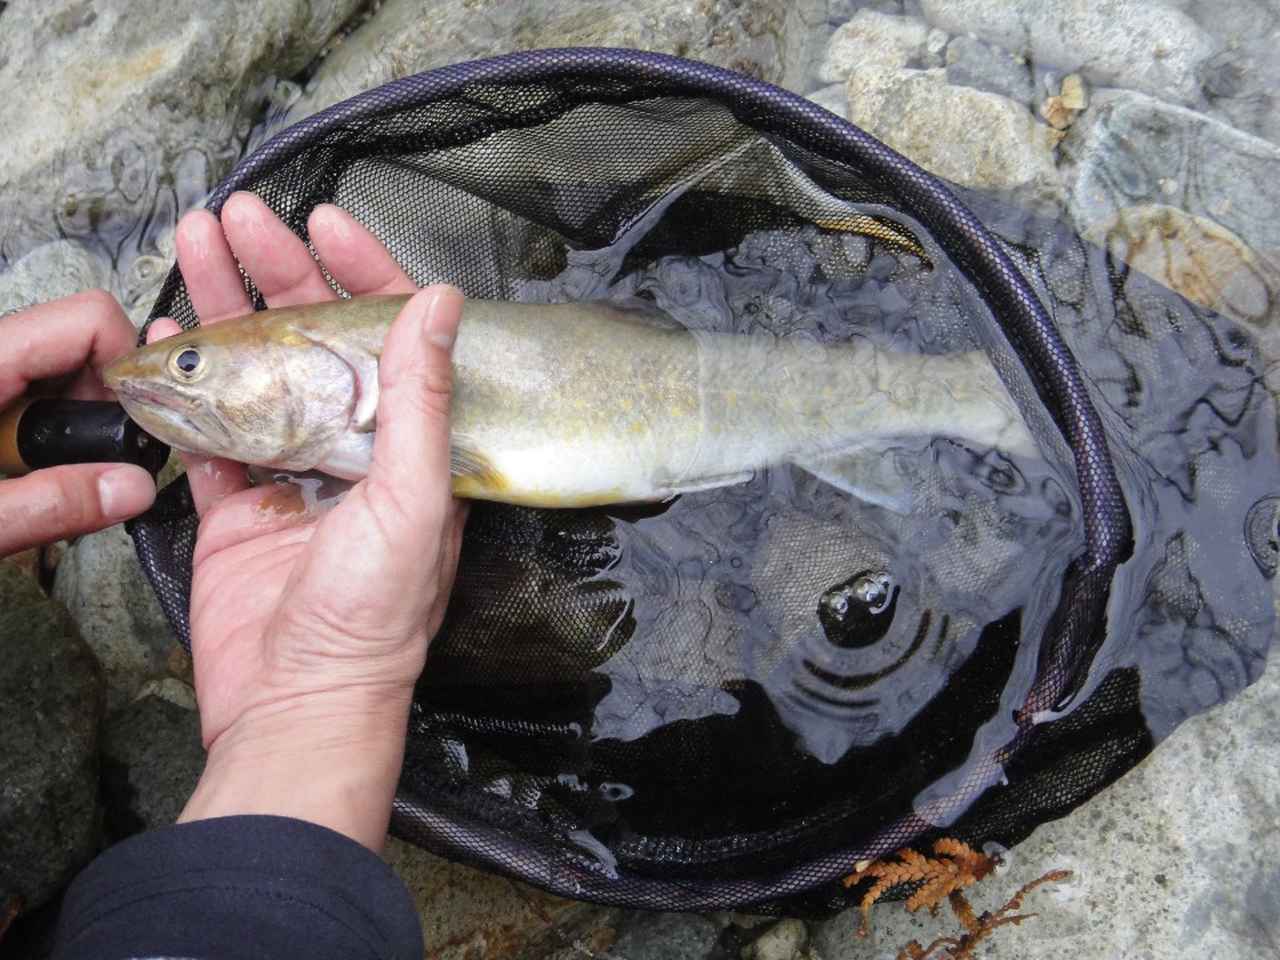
[(972, 63), (1176, 859), (140, 109), (872, 39), (667, 936), (935, 48), (151, 760), (50, 708), (769, 39), (103, 587), (785, 940), (967, 136), (1129, 43), (1129, 149), (54, 270), (834, 98)]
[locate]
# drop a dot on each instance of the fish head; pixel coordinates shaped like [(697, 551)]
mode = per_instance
[(247, 391)]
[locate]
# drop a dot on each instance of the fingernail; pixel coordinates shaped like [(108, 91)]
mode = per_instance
[(124, 492), (439, 320)]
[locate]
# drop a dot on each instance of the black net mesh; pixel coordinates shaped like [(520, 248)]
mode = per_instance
[(657, 708)]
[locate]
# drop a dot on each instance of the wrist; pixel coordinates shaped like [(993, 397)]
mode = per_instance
[(332, 759)]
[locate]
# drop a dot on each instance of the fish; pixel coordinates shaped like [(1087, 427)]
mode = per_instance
[(568, 404)]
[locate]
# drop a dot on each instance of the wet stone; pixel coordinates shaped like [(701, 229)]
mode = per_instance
[(1129, 43), (151, 760), (1129, 149), (50, 705)]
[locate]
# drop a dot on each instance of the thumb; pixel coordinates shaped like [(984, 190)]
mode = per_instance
[(410, 470)]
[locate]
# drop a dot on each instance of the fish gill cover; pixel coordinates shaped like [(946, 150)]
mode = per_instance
[(729, 700)]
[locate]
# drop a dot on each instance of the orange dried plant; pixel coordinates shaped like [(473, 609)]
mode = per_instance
[(955, 866), (977, 928)]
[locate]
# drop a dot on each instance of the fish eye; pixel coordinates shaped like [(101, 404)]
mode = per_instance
[(187, 362)]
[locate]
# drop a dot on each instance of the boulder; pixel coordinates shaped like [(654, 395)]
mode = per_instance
[(51, 698)]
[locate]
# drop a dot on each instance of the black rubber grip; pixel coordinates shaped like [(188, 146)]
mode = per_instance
[(54, 432)]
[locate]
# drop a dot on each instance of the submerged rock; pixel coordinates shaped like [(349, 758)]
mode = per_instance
[(1129, 149), (118, 117), (972, 63), (873, 39), (151, 760), (1129, 43), (112, 602), (964, 135), (1194, 256), (50, 706), (769, 39), (54, 270)]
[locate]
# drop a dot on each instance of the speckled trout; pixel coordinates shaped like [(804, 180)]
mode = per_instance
[(562, 405)]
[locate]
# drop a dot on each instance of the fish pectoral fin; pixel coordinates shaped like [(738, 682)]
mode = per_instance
[(869, 474), (364, 368)]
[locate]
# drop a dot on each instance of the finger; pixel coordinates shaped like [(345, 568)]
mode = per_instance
[(276, 258), (355, 257), (162, 328), (211, 478), (60, 337), (63, 502), (209, 269), (410, 470)]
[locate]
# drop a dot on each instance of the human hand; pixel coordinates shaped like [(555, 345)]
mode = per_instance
[(308, 631), (64, 344)]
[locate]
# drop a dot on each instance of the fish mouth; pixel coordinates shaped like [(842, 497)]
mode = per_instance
[(168, 414)]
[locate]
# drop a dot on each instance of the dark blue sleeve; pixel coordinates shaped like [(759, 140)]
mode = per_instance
[(238, 887)]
